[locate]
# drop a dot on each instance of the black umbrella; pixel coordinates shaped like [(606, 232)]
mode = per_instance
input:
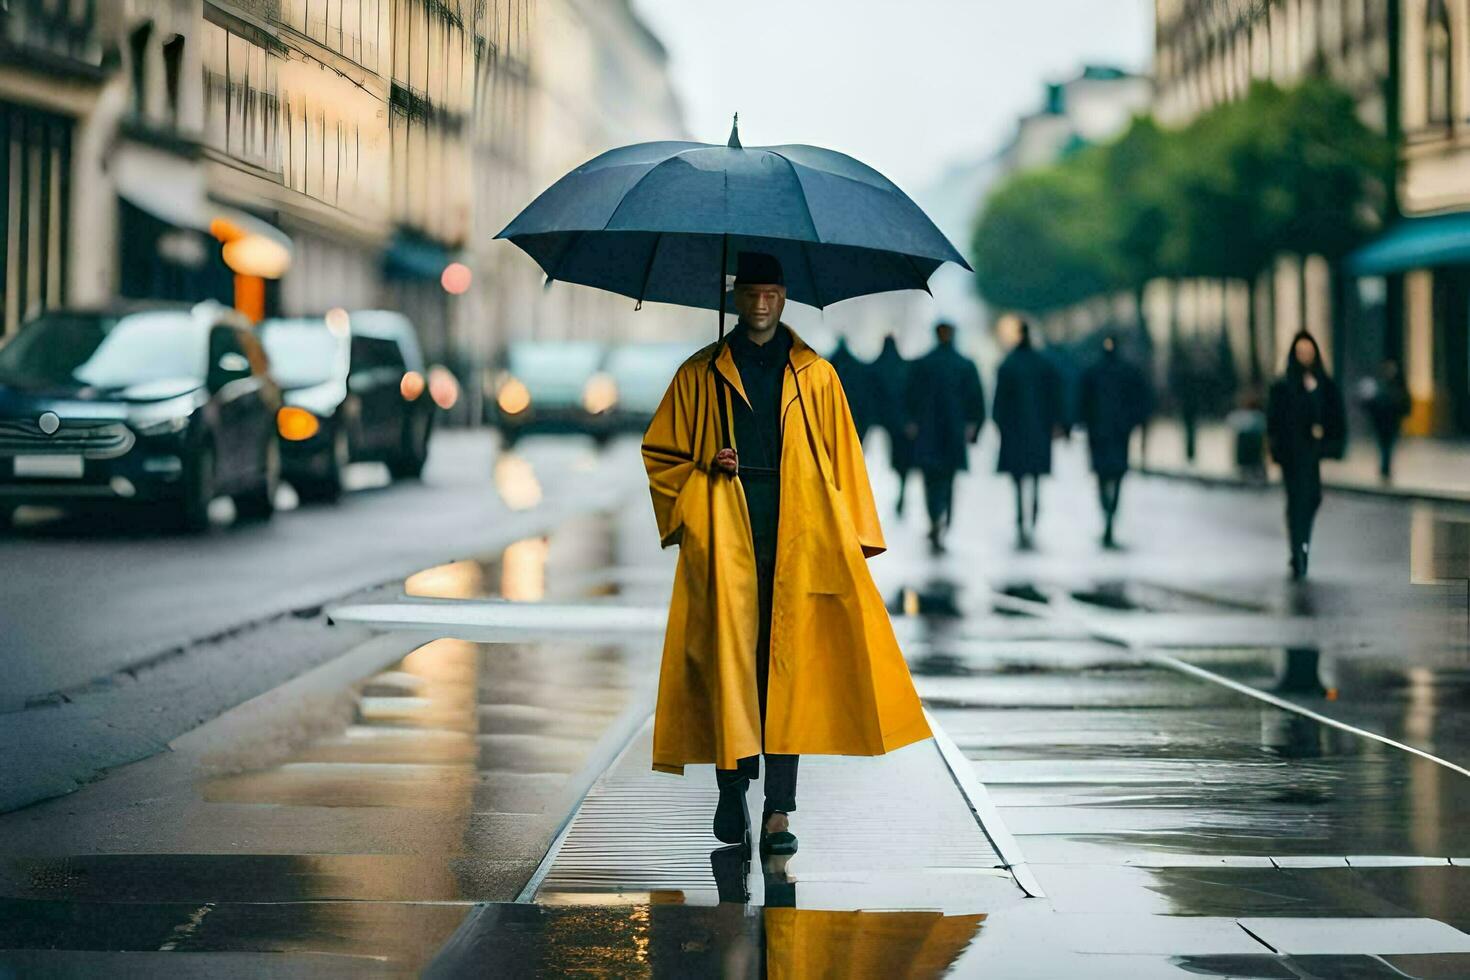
[(662, 221)]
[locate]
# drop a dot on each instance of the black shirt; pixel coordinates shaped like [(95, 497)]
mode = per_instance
[(762, 369)]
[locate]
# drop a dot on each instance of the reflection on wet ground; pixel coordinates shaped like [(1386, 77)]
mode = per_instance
[(446, 784), (1134, 790), (661, 937), (529, 570)]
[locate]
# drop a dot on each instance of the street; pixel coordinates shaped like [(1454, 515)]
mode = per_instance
[(457, 786)]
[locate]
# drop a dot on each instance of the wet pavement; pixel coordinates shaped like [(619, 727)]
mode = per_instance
[(1163, 760)]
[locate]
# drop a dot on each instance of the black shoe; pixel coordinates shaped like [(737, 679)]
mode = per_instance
[(731, 867), (781, 842), (732, 818)]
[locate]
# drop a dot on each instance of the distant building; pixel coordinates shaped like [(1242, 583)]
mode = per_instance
[(1407, 62), (1092, 107)]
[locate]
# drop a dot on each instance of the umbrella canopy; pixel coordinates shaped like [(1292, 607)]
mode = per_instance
[(662, 221)]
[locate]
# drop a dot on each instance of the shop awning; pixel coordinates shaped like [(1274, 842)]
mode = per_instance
[(176, 195), (410, 256), (1416, 243)]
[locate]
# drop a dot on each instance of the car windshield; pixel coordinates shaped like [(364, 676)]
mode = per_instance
[(555, 371), (302, 353), (643, 372), (106, 351)]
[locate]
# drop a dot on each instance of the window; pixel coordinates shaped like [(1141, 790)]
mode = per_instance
[(173, 64), (138, 53), (1437, 64)]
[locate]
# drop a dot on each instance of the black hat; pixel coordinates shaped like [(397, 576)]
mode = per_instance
[(758, 268)]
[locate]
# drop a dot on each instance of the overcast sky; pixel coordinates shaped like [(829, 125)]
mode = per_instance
[(906, 86)]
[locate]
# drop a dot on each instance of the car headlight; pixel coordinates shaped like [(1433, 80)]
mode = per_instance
[(166, 426), (600, 394), (514, 397)]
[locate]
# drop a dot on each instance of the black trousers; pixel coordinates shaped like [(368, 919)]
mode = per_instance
[(939, 496), (1020, 481), (1109, 490), (1303, 482), (780, 769)]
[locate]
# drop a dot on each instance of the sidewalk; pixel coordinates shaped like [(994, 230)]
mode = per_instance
[(1434, 469)]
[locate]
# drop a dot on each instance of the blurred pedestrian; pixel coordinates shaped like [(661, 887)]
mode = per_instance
[(1305, 424), (1113, 399), (754, 432), (855, 377), (1028, 412), (1190, 388), (890, 378), (946, 408), (1385, 399)]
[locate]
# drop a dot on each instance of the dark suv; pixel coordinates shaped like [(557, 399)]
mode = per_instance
[(162, 405), (354, 389)]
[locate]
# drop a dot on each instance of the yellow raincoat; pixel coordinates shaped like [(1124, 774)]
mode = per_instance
[(838, 684)]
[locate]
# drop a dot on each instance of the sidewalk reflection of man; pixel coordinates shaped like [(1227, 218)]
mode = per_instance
[(757, 474)]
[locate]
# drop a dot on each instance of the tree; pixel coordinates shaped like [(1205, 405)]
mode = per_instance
[(1043, 240)]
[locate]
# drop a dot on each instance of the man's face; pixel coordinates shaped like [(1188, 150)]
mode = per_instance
[(760, 305), (1306, 352), (943, 334)]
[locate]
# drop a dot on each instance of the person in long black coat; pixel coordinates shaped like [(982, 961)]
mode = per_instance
[(1028, 412), (1387, 403), (1114, 398), (855, 376), (946, 408), (1305, 424), (890, 377)]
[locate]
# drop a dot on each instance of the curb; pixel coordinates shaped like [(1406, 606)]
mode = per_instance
[(1360, 490)]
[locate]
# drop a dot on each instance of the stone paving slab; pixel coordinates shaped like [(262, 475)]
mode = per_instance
[(893, 831)]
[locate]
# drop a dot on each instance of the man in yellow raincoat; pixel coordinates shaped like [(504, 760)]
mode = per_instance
[(778, 641)]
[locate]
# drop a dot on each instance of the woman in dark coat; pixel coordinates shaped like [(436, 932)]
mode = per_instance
[(1305, 424), (1028, 412), (1113, 400), (946, 408), (889, 408)]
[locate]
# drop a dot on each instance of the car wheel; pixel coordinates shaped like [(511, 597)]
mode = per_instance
[(199, 483), (328, 487), (260, 503), (408, 464)]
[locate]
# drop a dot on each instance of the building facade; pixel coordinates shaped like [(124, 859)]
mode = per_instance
[(1407, 62), (292, 156)]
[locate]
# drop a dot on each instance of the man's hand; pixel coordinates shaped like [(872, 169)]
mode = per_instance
[(727, 461)]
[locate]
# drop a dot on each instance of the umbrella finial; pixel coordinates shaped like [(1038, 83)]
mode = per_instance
[(735, 134)]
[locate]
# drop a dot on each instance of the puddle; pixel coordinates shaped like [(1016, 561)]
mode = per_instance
[(659, 936), (931, 599), (564, 565)]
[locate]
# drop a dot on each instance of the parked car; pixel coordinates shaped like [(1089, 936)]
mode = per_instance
[(553, 387), (354, 389), (641, 374), (161, 405)]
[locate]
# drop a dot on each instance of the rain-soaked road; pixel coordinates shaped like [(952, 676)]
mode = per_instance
[(1158, 761)]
